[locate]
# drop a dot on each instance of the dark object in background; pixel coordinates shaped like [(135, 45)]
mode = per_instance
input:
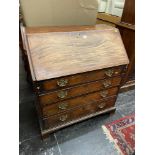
[(127, 30)]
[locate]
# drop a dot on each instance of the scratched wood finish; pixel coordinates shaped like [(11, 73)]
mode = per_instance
[(78, 113), (72, 80), (57, 54), (53, 97)]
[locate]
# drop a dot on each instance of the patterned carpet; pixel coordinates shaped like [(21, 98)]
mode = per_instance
[(121, 133)]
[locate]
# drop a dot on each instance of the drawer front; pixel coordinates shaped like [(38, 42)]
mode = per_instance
[(62, 94), (78, 113), (78, 101), (78, 79)]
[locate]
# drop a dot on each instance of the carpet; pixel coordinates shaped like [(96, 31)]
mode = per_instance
[(121, 133)]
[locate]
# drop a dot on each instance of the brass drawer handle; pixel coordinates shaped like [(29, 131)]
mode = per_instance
[(62, 82), (63, 118), (62, 94), (104, 93), (107, 83), (63, 105), (109, 72), (102, 105)]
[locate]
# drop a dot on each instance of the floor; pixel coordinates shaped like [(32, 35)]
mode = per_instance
[(85, 138)]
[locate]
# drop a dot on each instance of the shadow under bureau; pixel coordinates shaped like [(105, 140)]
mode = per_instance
[(76, 72)]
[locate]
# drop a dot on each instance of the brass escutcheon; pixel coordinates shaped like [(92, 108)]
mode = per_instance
[(102, 105), (63, 118), (116, 72), (62, 82), (104, 93), (109, 72), (63, 105), (107, 83), (62, 94)]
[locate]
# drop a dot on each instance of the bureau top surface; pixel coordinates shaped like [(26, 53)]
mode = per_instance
[(62, 53)]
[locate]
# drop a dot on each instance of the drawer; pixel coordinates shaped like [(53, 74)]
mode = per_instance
[(67, 93), (79, 112), (77, 79), (78, 101)]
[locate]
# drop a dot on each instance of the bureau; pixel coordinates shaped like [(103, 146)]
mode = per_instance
[(76, 72)]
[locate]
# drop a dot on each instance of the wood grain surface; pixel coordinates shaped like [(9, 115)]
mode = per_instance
[(127, 31), (70, 104), (46, 29), (78, 113), (57, 54), (79, 90), (46, 101), (72, 80)]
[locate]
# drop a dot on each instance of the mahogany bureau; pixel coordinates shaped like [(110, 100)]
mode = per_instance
[(76, 72)]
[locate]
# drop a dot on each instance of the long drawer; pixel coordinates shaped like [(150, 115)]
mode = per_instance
[(67, 93), (72, 80), (77, 113), (78, 101)]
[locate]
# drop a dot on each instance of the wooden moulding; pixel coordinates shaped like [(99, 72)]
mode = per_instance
[(48, 29), (109, 18), (100, 21), (126, 25)]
